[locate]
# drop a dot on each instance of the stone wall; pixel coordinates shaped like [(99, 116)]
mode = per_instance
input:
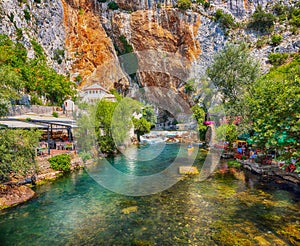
[(20, 109)]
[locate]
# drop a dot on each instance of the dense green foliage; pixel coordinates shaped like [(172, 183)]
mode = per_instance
[(60, 162), (122, 119), (278, 59), (103, 120), (269, 106), (233, 71), (184, 4), (276, 39), (113, 5), (262, 21), (17, 151), (274, 102), (20, 75), (189, 86), (141, 126), (226, 20), (227, 132), (85, 134), (107, 124), (290, 13), (149, 114), (199, 115)]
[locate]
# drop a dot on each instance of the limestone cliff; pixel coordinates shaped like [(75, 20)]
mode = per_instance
[(89, 47), (42, 22), (156, 36), (82, 37)]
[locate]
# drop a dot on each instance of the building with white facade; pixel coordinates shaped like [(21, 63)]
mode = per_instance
[(95, 93)]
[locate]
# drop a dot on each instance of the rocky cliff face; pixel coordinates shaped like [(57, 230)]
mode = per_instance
[(83, 38), (42, 22), (159, 38), (91, 50)]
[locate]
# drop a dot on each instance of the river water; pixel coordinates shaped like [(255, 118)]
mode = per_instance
[(231, 207)]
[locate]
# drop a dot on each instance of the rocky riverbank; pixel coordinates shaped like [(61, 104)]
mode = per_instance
[(14, 193), (270, 171)]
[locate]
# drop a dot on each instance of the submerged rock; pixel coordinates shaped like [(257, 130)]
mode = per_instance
[(130, 210), (188, 170)]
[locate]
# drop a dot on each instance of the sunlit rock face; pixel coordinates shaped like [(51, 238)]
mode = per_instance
[(171, 45), (92, 51), (164, 42)]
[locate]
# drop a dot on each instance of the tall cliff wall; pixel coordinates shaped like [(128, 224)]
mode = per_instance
[(82, 37)]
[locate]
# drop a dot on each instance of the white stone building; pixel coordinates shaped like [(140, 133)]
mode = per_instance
[(96, 92)]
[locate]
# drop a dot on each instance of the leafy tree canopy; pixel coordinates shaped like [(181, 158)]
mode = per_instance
[(20, 75), (17, 151), (233, 70), (274, 103)]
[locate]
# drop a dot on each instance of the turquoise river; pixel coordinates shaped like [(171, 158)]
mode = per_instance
[(231, 207)]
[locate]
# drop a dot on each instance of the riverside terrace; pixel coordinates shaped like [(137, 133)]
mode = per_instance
[(57, 133)]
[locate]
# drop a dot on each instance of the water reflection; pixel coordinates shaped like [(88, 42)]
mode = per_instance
[(228, 208)]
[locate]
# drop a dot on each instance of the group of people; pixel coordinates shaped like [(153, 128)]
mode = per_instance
[(243, 150)]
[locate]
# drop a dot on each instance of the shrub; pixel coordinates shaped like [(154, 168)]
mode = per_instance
[(27, 15), (55, 114), (295, 17), (184, 4), (226, 20), (276, 39), (113, 5), (60, 162), (262, 21), (260, 43), (19, 33), (58, 55), (278, 59), (126, 46)]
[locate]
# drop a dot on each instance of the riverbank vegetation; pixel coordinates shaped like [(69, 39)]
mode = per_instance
[(108, 125), (17, 151), (267, 106), (22, 76)]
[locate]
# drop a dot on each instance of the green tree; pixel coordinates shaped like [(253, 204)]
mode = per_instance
[(226, 20), (113, 5), (274, 103), (262, 21), (233, 71), (189, 87), (227, 132), (149, 114), (199, 114), (103, 121), (17, 151), (122, 123), (85, 134), (33, 76), (141, 126)]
